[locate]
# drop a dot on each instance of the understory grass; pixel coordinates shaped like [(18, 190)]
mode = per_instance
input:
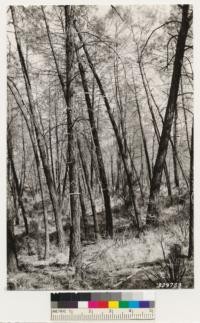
[(124, 262)]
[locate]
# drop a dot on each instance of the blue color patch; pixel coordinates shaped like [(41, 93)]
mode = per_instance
[(134, 304)]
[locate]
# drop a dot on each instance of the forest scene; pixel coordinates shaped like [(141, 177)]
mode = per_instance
[(99, 147)]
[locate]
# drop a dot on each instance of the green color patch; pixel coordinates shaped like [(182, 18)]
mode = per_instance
[(123, 304)]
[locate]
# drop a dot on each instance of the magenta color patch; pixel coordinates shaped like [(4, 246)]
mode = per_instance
[(93, 304)]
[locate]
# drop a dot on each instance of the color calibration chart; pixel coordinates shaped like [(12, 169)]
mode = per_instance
[(103, 306)]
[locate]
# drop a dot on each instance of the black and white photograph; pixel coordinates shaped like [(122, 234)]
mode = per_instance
[(100, 147)]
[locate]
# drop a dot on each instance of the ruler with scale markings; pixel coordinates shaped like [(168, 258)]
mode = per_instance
[(88, 306)]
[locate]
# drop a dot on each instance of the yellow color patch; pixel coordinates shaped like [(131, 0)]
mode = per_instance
[(113, 304)]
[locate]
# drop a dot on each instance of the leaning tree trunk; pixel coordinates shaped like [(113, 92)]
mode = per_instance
[(40, 141), (101, 167), (175, 135), (170, 139), (191, 223), (16, 181), (30, 128), (92, 201), (128, 171), (157, 133), (153, 212), (185, 115), (142, 133), (75, 241)]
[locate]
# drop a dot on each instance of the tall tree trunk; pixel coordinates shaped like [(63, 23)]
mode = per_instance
[(170, 139), (175, 134), (12, 259), (83, 209), (118, 179), (75, 241), (153, 212), (40, 142), (142, 73), (191, 222), (102, 172), (143, 134), (185, 115), (45, 215), (141, 166), (91, 165), (112, 173), (30, 128), (116, 131), (92, 202)]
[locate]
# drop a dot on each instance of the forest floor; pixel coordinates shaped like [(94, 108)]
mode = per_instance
[(124, 262)]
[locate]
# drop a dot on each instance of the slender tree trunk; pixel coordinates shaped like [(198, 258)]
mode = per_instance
[(185, 116), (40, 143), (143, 134), (175, 134), (118, 179), (45, 215), (122, 125), (137, 177), (141, 166), (102, 172), (92, 202), (15, 201), (91, 165), (12, 260), (142, 72), (170, 139), (83, 209), (37, 160), (191, 223), (153, 212), (75, 241), (51, 153), (112, 173), (16, 181), (116, 131)]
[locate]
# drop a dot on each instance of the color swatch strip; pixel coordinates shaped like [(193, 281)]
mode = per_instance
[(97, 296), (98, 300)]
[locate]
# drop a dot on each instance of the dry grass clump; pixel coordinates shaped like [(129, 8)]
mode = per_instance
[(113, 264)]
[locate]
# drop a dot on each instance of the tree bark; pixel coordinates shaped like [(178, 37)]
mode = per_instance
[(92, 202), (30, 128), (185, 116), (40, 142), (115, 128), (143, 134), (143, 76), (16, 181), (170, 139), (83, 209), (175, 134), (12, 260), (153, 212), (75, 241), (191, 221), (102, 172)]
